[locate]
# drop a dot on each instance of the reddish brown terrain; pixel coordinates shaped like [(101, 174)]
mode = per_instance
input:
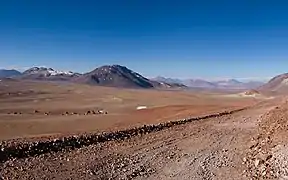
[(71, 131), (30, 109)]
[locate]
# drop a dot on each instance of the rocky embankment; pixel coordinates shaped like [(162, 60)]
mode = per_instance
[(12, 149), (267, 155)]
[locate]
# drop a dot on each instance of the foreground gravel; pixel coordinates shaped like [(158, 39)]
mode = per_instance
[(211, 147)]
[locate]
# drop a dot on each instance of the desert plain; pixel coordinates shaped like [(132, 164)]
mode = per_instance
[(29, 108), (245, 142)]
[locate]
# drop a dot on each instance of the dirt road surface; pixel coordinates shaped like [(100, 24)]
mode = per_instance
[(214, 148)]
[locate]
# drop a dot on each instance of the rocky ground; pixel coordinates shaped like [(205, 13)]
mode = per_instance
[(246, 144), (267, 156)]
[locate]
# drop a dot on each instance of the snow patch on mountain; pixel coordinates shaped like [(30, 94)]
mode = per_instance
[(48, 71)]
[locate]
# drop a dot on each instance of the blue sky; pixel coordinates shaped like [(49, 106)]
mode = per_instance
[(174, 38)]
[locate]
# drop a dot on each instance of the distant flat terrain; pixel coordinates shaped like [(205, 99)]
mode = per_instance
[(29, 108)]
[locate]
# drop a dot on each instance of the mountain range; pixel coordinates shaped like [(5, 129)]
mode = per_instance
[(223, 84), (121, 76), (108, 75)]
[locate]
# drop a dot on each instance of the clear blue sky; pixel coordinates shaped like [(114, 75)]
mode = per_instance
[(207, 39)]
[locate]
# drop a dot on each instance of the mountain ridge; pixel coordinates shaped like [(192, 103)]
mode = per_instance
[(44, 73), (220, 84), (120, 76)]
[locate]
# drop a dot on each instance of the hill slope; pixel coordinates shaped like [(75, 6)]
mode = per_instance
[(4, 73), (116, 76), (278, 83)]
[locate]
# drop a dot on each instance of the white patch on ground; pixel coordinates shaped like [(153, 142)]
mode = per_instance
[(111, 99), (141, 107), (117, 99)]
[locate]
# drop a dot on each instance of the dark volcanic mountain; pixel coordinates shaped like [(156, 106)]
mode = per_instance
[(43, 73), (121, 76), (4, 73), (115, 76)]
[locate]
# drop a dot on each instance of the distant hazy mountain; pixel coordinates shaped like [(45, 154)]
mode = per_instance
[(236, 84), (199, 83), (167, 80), (204, 84), (229, 82), (4, 73)]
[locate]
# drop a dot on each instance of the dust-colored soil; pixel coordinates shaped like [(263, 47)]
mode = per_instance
[(35, 109), (206, 149), (267, 155), (247, 144)]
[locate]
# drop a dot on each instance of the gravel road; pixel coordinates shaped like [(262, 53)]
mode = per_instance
[(212, 148)]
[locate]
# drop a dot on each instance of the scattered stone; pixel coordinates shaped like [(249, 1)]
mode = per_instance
[(257, 162), (269, 157)]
